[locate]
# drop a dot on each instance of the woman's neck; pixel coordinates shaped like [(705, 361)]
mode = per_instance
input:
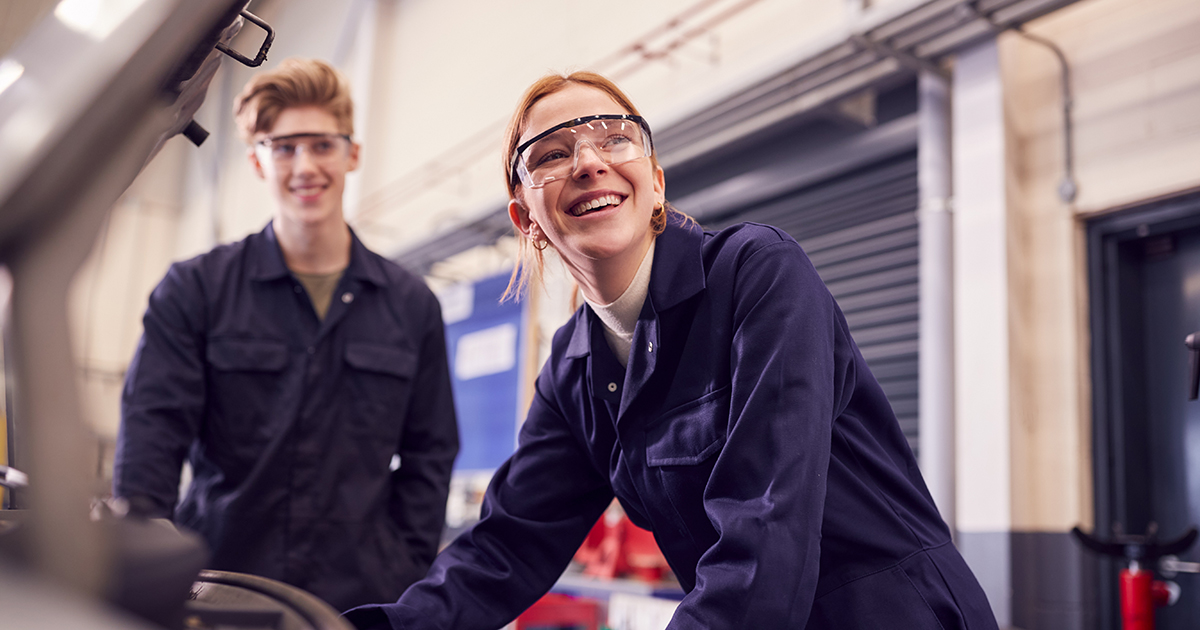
[(603, 281)]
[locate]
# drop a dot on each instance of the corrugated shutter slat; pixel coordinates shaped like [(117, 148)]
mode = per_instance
[(860, 232)]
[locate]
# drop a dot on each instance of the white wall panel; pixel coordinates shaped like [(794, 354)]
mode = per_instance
[(980, 292)]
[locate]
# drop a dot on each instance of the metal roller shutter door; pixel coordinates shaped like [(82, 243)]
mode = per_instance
[(860, 231)]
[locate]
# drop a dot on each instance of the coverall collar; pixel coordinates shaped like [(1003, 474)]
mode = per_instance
[(265, 259), (677, 275)]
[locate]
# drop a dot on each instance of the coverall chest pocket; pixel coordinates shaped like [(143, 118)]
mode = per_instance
[(245, 382), (682, 446), (380, 380)]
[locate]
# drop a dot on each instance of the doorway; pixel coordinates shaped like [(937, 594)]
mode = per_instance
[(1144, 267)]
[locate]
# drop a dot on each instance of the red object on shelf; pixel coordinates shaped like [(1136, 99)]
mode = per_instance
[(562, 611), (616, 547)]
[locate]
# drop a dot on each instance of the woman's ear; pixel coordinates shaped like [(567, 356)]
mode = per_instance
[(519, 216), (660, 184)]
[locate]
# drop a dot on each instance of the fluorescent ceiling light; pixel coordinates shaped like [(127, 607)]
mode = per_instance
[(95, 18), (10, 71)]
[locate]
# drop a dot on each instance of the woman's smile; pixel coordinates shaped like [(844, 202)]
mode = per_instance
[(595, 202)]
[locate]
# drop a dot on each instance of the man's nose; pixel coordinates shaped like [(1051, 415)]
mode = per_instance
[(303, 159)]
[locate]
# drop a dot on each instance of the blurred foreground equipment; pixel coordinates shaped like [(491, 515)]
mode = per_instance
[(87, 98)]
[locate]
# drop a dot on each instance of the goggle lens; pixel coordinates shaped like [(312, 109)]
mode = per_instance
[(319, 146), (554, 155)]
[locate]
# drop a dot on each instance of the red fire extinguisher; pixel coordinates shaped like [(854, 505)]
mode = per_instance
[(1140, 592)]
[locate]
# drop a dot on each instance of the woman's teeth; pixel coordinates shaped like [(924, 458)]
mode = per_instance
[(598, 202)]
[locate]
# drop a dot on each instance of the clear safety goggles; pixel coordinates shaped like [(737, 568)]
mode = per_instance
[(320, 147), (554, 154)]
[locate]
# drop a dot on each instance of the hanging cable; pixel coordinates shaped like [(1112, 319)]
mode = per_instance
[(1067, 189)]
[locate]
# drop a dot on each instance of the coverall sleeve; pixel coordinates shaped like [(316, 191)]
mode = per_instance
[(790, 367), (163, 399), (428, 446), (538, 508)]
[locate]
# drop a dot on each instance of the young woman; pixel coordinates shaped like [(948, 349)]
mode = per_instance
[(710, 384)]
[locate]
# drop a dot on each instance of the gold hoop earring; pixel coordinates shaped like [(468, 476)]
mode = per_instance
[(658, 218), (539, 244)]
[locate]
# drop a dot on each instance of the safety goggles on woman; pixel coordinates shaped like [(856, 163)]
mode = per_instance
[(553, 154)]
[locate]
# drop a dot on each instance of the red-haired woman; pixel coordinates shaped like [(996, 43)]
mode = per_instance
[(711, 385)]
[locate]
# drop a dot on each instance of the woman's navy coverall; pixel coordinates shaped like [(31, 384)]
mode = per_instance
[(747, 433)]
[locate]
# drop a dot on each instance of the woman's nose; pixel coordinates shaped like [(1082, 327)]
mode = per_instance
[(587, 159)]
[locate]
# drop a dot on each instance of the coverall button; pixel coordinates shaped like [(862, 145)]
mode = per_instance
[(347, 297), (650, 347), (612, 387)]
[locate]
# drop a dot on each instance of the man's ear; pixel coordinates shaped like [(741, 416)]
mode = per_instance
[(354, 149), (519, 216), (255, 165)]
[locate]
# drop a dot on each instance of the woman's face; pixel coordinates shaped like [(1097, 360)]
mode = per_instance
[(617, 228)]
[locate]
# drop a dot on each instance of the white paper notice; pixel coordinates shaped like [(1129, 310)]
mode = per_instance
[(458, 301), (488, 351)]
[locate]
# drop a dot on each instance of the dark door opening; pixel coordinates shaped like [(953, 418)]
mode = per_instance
[(1145, 299)]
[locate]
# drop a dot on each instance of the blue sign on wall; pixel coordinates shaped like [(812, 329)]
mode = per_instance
[(485, 340)]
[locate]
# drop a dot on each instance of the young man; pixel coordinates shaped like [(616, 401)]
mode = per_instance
[(303, 376)]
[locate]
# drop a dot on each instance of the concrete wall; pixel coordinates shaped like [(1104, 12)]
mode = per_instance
[(447, 75), (111, 288)]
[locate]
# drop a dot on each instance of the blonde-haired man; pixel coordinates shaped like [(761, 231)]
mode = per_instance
[(303, 376)]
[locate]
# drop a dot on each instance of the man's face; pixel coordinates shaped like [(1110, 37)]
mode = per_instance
[(305, 161)]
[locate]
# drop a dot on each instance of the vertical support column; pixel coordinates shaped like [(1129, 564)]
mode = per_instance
[(936, 353), (355, 55), (981, 318), (376, 95)]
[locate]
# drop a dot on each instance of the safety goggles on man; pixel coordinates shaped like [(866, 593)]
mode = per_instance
[(320, 147), (553, 154)]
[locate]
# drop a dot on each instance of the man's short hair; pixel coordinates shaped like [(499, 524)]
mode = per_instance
[(295, 83)]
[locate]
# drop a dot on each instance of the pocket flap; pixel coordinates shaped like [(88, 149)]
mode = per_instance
[(247, 355), (393, 360), (690, 433)]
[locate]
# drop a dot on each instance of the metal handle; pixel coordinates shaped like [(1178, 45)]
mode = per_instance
[(12, 478), (1171, 565), (262, 50)]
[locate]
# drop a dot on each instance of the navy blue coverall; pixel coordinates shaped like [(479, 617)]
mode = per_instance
[(747, 433), (291, 423)]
